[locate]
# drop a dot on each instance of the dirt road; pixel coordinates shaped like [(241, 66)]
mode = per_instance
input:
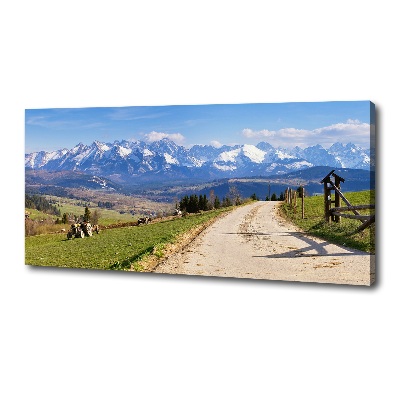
[(254, 242)]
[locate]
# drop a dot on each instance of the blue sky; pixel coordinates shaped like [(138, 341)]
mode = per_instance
[(280, 124)]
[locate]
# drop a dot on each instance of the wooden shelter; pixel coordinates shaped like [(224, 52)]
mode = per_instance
[(335, 214), (328, 187)]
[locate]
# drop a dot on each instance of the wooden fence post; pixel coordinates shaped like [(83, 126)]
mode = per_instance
[(327, 198), (337, 198)]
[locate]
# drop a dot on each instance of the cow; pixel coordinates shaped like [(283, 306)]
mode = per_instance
[(144, 220)]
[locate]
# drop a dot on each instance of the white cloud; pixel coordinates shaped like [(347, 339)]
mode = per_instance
[(216, 143), (249, 133), (353, 121), (352, 131), (293, 133), (358, 128), (154, 136)]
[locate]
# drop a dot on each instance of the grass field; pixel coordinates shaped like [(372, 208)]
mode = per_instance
[(107, 216), (118, 248), (339, 233), (121, 212), (39, 215)]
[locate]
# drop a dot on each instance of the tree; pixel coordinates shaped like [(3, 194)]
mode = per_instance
[(184, 203), (193, 205), (234, 195), (212, 198), (281, 197), (254, 197), (203, 202), (42, 204), (267, 198), (87, 215), (226, 202), (95, 217), (64, 218), (217, 202), (273, 197)]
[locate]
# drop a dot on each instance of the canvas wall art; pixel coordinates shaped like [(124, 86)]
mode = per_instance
[(274, 192)]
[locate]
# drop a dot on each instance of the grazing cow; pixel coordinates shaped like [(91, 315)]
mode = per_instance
[(144, 220)]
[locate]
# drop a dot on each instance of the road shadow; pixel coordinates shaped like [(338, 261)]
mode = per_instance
[(262, 233), (309, 248)]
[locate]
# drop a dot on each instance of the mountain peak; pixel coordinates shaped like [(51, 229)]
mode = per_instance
[(265, 146), (130, 159), (100, 146), (78, 148)]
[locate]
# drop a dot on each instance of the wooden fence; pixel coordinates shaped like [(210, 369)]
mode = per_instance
[(291, 198), (336, 213)]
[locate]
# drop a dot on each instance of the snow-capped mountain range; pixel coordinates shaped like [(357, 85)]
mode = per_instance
[(123, 160)]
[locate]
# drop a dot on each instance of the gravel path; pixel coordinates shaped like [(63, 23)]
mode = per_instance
[(254, 242)]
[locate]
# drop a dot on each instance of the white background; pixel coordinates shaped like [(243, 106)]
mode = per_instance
[(69, 334)]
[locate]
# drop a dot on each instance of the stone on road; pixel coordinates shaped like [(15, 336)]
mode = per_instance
[(253, 241)]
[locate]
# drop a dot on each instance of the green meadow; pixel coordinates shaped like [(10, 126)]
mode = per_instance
[(118, 248), (339, 233)]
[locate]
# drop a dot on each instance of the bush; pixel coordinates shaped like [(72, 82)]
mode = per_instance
[(254, 197), (30, 227)]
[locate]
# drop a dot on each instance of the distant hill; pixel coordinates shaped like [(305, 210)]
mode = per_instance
[(38, 181), (355, 180), (318, 172)]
